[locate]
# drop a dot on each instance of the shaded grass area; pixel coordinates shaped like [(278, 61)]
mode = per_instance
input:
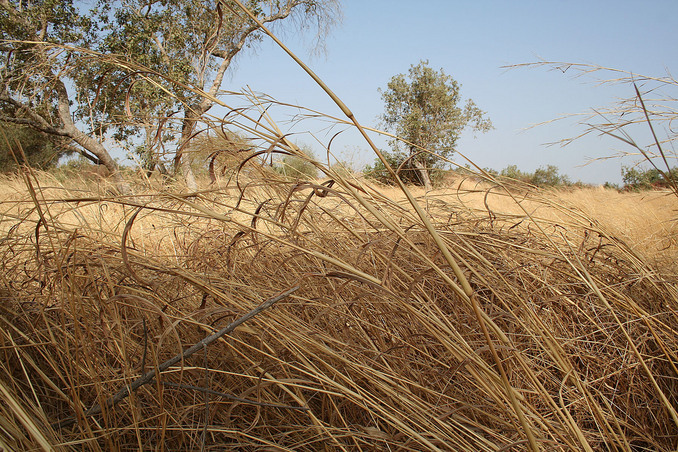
[(377, 350)]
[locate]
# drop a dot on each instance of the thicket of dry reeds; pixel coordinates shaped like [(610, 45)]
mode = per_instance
[(569, 339), (424, 324)]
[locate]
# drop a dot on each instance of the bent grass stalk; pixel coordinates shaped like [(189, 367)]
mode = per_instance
[(414, 329), (467, 290)]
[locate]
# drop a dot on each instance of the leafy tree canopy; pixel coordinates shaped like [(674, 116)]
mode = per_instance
[(188, 45), (423, 108), (140, 68), (24, 145), (35, 76)]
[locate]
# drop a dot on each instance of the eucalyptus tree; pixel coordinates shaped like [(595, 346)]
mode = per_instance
[(423, 109), (188, 45), (36, 73), (126, 69)]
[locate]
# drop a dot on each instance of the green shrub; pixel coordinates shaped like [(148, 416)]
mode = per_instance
[(512, 172), (542, 177), (297, 167), (492, 172), (378, 171), (407, 173), (549, 177), (639, 179)]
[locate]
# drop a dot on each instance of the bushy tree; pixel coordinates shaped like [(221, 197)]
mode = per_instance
[(400, 162), (137, 66), (639, 179), (423, 108), (298, 166), (513, 172), (549, 176), (26, 146), (36, 77), (191, 44)]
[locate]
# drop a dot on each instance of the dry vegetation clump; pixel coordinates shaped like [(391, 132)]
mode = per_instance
[(569, 340), (646, 220)]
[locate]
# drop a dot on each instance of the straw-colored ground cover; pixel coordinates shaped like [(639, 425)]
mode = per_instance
[(568, 342)]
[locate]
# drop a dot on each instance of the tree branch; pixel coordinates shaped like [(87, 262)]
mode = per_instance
[(150, 376), (34, 125), (51, 131), (36, 121), (83, 152), (237, 47)]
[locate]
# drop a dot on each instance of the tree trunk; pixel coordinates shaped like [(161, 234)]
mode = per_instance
[(87, 142), (423, 174), (84, 140), (182, 162), (149, 157), (189, 177), (67, 128)]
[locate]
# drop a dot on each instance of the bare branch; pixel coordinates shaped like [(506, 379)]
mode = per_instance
[(123, 393)]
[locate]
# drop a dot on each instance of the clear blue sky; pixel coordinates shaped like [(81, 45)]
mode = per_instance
[(471, 41)]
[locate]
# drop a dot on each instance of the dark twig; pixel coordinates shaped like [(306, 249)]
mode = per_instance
[(124, 392)]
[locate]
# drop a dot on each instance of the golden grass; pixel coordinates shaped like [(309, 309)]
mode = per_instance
[(646, 221), (377, 350), (473, 318)]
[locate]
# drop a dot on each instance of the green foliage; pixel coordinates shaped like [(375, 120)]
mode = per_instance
[(423, 109), (297, 167), (24, 65), (36, 82), (41, 150), (512, 172), (153, 63), (639, 179), (399, 162), (492, 172), (548, 176), (379, 173), (187, 44)]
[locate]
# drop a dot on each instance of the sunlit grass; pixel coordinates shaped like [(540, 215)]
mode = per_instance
[(374, 345), (479, 316)]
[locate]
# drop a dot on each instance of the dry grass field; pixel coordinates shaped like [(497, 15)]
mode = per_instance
[(262, 313), (507, 320)]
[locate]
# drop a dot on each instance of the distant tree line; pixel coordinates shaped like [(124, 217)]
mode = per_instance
[(549, 176), (546, 176), (634, 178), (639, 179)]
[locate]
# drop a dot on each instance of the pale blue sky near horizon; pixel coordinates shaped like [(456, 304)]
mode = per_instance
[(471, 41)]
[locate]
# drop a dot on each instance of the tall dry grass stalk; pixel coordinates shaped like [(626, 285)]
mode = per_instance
[(651, 108), (427, 324)]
